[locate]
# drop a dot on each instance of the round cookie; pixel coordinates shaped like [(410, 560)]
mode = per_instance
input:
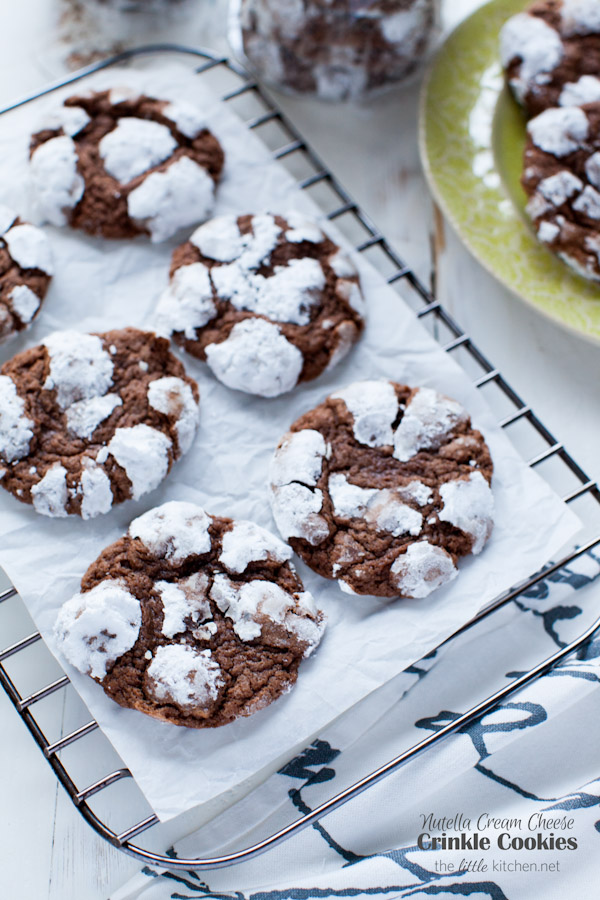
[(191, 618), (25, 272), (119, 164), (551, 54), (267, 301), (90, 420), (384, 487), (561, 177)]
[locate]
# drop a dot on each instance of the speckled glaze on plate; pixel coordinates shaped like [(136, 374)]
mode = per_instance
[(472, 136)]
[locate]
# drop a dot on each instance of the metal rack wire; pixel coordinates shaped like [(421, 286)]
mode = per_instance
[(536, 442)]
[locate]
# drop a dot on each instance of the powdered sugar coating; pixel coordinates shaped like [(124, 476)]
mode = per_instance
[(287, 296), (585, 90), (96, 493), (71, 119), (84, 416), (247, 543), (422, 569), (417, 491), (167, 201), (559, 131), (384, 508), (188, 119), (173, 397), (96, 627), (558, 188), (80, 367), (29, 247), (143, 452), (547, 232), (256, 358), (49, 495), (427, 419), (16, 429), (253, 604), (296, 511), (57, 183), (183, 602), (134, 146), (180, 675), (301, 228), (469, 505), (187, 303), (25, 302), (222, 240), (393, 516), (580, 17), (588, 202), (349, 500), (173, 531), (299, 457), (374, 406), (536, 44)]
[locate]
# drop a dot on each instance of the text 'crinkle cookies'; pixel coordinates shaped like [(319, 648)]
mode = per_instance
[(25, 272), (384, 487), (268, 301), (551, 54), (118, 164), (561, 177), (90, 420), (191, 618)]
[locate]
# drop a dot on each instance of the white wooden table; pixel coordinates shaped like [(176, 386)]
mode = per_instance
[(46, 850)]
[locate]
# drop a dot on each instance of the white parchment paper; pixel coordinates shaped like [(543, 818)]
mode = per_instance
[(100, 285)]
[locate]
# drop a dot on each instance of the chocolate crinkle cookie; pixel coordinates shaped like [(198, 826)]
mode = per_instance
[(266, 300), (562, 181), (384, 487), (90, 420), (25, 272), (191, 618), (119, 164), (551, 54), (335, 49)]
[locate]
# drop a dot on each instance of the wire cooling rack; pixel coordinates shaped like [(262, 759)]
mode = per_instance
[(72, 749)]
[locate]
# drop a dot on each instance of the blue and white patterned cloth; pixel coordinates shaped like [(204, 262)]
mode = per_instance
[(530, 767)]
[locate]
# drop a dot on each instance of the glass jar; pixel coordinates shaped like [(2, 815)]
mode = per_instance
[(333, 49)]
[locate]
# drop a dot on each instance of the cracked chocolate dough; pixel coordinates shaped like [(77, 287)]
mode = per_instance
[(191, 618), (266, 300), (118, 164), (551, 54), (90, 420), (335, 49), (561, 178), (384, 487), (25, 272)]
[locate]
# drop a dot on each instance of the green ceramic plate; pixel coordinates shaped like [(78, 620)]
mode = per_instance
[(472, 136)]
